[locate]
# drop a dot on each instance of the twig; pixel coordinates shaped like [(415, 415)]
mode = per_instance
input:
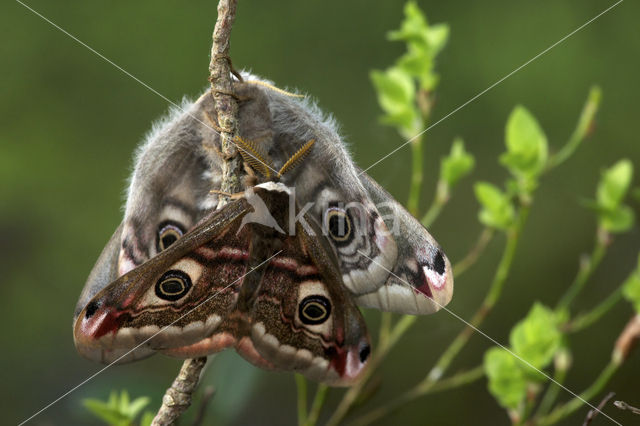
[(483, 240), (178, 397), (585, 320), (623, 346), (627, 339), (584, 126), (587, 267), (208, 394), (220, 70), (457, 380), (593, 413), (624, 406), (440, 199), (562, 364), (564, 410), (425, 386)]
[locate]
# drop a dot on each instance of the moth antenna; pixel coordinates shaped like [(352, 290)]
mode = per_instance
[(296, 158), (254, 156), (274, 88)]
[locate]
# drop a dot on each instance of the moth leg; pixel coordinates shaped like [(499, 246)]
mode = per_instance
[(234, 196), (214, 123), (228, 59)]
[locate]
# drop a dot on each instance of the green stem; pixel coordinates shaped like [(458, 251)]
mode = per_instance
[(586, 269), (582, 128), (586, 320), (316, 406), (460, 379), (429, 383), (385, 328), (301, 386), (416, 176), (571, 406), (351, 395), (562, 365), (489, 302), (481, 244), (526, 409), (439, 201)]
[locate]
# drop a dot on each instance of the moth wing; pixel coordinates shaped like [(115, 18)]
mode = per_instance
[(176, 298), (328, 181), (103, 273), (304, 319), (421, 281), (169, 190), (175, 169)]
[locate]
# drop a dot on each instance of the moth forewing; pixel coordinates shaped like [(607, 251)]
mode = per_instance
[(421, 281), (140, 307)]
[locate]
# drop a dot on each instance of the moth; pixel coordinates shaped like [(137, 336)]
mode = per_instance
[(365, 249)]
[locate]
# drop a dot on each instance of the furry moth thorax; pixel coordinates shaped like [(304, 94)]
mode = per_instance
[(368, 250)]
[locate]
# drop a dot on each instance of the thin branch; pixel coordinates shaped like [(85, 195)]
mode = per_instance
[(593, 413), (220, 70), (178, 397), (440, 199), (585, 320), (577, 402), (460, 379), (584, 126), (562, 362), (627, 339), (587, 267), (622, 348), (624, 406), (481, 244)]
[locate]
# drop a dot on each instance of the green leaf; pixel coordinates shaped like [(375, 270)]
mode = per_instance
[(424, 42), (119, 410), (109, 414), (618, 220), (136, 406), (614, 184), (457, 164), (396, 94), (536, 339), (507, 382), (147, 418), (413, 25), (123, 404), (527, 150), (631, 288), (497, 210)]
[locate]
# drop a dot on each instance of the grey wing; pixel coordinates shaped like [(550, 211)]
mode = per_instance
[(421, 281), (327, 185), (175, 168)]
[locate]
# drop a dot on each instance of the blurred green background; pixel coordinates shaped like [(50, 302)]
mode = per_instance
[(70, 122)]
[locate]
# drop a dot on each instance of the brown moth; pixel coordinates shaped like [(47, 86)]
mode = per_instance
[(276, 297), (383, 256)]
